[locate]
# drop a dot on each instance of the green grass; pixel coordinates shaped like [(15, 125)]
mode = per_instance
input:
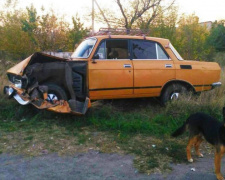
[(105, 127), (131, 126)]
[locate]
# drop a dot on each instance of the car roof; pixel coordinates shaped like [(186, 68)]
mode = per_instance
[(161, 40)]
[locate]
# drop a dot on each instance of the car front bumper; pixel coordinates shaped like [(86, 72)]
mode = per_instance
[(10, 92), (60, 106)]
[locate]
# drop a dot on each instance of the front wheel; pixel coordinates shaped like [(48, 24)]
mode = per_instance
[(172, 92), (55, 93)]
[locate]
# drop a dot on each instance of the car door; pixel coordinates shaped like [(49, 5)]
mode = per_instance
[(111, 70), (152, 67)]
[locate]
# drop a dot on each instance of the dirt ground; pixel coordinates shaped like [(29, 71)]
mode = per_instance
[(96, 166)]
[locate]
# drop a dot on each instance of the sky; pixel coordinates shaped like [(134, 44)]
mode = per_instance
[(206, 10)]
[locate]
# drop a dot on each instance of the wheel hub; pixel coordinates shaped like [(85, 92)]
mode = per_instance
[(174, 96), (52, 97)]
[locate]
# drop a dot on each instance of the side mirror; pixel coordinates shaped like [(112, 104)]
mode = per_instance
[(96, 56)]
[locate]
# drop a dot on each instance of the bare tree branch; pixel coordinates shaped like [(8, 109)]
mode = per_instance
[(139, 11), (156, 11), (106, 20), (122, 11), (172, 3), (134, 12)]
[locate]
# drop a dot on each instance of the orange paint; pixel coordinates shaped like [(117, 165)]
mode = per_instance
[(133, 78)]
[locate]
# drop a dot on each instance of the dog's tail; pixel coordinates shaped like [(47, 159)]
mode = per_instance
[(179, 131)]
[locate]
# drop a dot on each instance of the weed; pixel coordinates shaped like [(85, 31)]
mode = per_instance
[(82, 138), (137, 126)]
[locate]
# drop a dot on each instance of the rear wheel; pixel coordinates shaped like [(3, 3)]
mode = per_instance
[(55, 93), (173, 92)]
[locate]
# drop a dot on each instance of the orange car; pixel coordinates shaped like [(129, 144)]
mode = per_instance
[(108, 67)]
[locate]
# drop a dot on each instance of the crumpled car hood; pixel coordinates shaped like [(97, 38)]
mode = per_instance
[(19, 68), (40, 69)]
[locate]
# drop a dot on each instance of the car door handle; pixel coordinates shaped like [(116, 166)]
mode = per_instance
[(127, 65), (168, 65)]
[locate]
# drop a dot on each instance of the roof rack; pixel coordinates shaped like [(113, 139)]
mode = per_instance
[(123, 31)]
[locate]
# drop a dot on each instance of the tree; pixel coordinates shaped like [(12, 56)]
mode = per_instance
[(131, 11), (14, 42), (191, 38), (30, 23), (47, 32), (217, 36), (77, 33), (164, 25), (23, 32), (52, 32)]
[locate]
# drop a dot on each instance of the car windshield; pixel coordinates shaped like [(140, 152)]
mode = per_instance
[(175, 52), (84, 49)]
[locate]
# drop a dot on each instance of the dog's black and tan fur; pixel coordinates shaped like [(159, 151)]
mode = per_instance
[(202, 125)]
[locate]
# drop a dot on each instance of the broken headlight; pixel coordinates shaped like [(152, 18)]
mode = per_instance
[(18, 81)]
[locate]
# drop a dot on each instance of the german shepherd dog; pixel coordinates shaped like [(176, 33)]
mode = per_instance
[(202, 125)]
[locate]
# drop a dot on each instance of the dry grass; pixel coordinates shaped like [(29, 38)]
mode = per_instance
[(137, 126), (4, 65), (219, 57), (210, 102), (56, 139)]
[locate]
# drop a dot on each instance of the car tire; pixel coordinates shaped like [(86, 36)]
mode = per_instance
[(172, 92), (55, 93)]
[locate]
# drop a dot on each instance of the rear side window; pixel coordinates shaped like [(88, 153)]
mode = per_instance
[(161, 53), (143, 49)]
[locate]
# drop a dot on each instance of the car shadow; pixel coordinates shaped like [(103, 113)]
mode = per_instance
[(127, 105)]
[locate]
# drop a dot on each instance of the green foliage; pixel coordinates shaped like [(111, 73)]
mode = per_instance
[(13, 40), (191, 38), (77, 33), (52, 33), (219, 57), (186, 33), (30, 24), (24, 31), (217, 36), (164, 25)]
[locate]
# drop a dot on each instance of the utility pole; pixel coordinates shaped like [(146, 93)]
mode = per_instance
[(102, 14), (93, 17)]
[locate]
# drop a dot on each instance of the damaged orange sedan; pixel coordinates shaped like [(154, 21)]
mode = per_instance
[(108, 67)]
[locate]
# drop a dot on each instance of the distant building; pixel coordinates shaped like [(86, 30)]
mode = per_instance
[(207, 24)]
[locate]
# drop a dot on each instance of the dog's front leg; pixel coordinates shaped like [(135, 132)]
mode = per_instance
[(218, 157)]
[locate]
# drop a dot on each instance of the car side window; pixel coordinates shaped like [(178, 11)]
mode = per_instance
[(143, 49), (101, 51), (161, 53), (113, 49)]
